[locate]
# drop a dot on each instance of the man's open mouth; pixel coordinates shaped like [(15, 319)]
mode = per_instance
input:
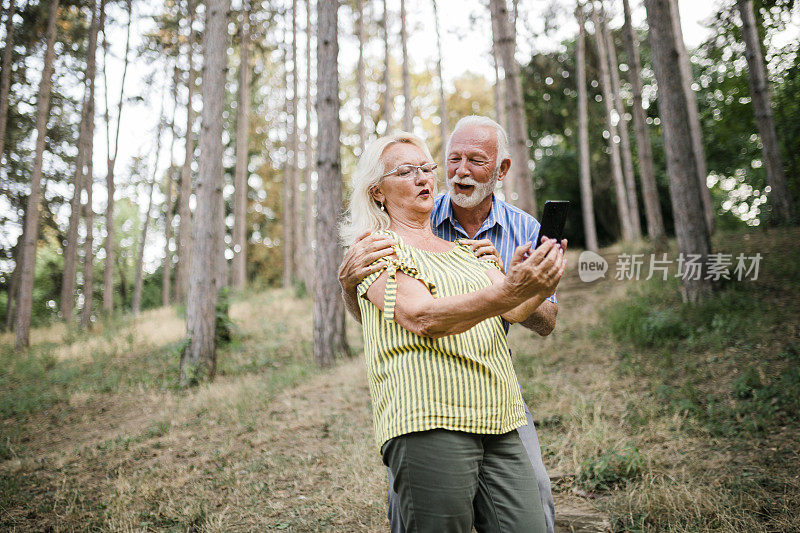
[(462, 189)]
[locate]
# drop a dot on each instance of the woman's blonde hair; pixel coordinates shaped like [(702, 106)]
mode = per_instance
[(364, 213)]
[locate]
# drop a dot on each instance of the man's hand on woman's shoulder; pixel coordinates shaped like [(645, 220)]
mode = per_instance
[(362, 259)]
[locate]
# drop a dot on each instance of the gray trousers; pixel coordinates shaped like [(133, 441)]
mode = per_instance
[(531, 443)]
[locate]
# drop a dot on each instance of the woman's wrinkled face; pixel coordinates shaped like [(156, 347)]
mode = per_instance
[(405, 193)]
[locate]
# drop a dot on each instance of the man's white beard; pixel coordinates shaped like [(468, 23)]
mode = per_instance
[(479, 193)]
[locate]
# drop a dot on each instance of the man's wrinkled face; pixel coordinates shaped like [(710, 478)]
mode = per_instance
[(472, 169)]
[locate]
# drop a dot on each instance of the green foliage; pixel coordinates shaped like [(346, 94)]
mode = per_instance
[(610, 469)]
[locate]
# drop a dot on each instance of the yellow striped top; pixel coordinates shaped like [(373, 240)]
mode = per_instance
[(464, 382)]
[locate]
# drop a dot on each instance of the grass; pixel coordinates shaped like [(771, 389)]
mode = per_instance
[(677, 417), (668, 417)]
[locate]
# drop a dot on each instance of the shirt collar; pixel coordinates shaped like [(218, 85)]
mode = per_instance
[(497, 215)]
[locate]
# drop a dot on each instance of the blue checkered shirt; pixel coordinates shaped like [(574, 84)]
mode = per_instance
[(506, 226)]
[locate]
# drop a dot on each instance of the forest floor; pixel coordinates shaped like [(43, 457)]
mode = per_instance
[(653, 415)]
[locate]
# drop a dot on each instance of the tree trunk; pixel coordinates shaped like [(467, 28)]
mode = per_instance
[(31, 231), (623, 211), (655, 222), (71, 246), (362, 90), (166, 264), (388, 99), (408, 114), (309, 156), (198, 360), (520, 186), (239, 263), (587, 201), (5, 76), (88, 179), (184, 212), (329, 339), (694, 116), (762, 108), (295, 147), (690, 226), (622, 128), (289, 177), (139, 279), (108, 271), (443, 129)]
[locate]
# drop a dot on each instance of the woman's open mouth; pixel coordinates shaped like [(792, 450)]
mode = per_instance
[(424, 193)]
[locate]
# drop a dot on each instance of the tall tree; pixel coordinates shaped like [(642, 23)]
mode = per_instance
[(694, 115), (198, 360), (151, 184), (587, 202), (622, 127), (762, 108), (22, 322), (310, 273), (184, 195), (690, 226), (5, 75), (88, 180), (652, 208), (289, 169), (295, 149), (388, 99), (329, 338), (504, 38), (108, 269), (169, 186), (623, 210), (239, 264), (408, 113), (443, 129), (81, 176), (360, 82)]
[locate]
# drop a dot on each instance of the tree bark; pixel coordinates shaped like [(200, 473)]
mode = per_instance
[(310, 272), (88, 215), (652, 208), (388, 99), (239, 263), (362, 90), (289, 178), (587, 201), (329, 338), (5, 77), (166, 263), (623, 210), (520, 186), (690, 226), (71, 246), (198, 360), (108, 270), (31, 232), (622, 128), (694, 116), (408, 114), (762, 108), (139, 279), (443, 129), (184, 211)]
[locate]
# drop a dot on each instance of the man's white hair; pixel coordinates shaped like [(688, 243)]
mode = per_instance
[(364, 213), (503, 151)]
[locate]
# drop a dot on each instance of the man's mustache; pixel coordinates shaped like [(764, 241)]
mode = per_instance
[(462, 181)]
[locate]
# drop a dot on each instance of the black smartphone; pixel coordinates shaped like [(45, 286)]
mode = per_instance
[(554, 217)]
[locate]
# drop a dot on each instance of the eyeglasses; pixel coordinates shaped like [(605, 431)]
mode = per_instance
[(408, 170)]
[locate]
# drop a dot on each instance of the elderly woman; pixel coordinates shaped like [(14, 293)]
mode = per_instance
[(444, 393)]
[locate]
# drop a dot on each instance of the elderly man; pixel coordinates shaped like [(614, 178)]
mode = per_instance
[(477, 159)]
